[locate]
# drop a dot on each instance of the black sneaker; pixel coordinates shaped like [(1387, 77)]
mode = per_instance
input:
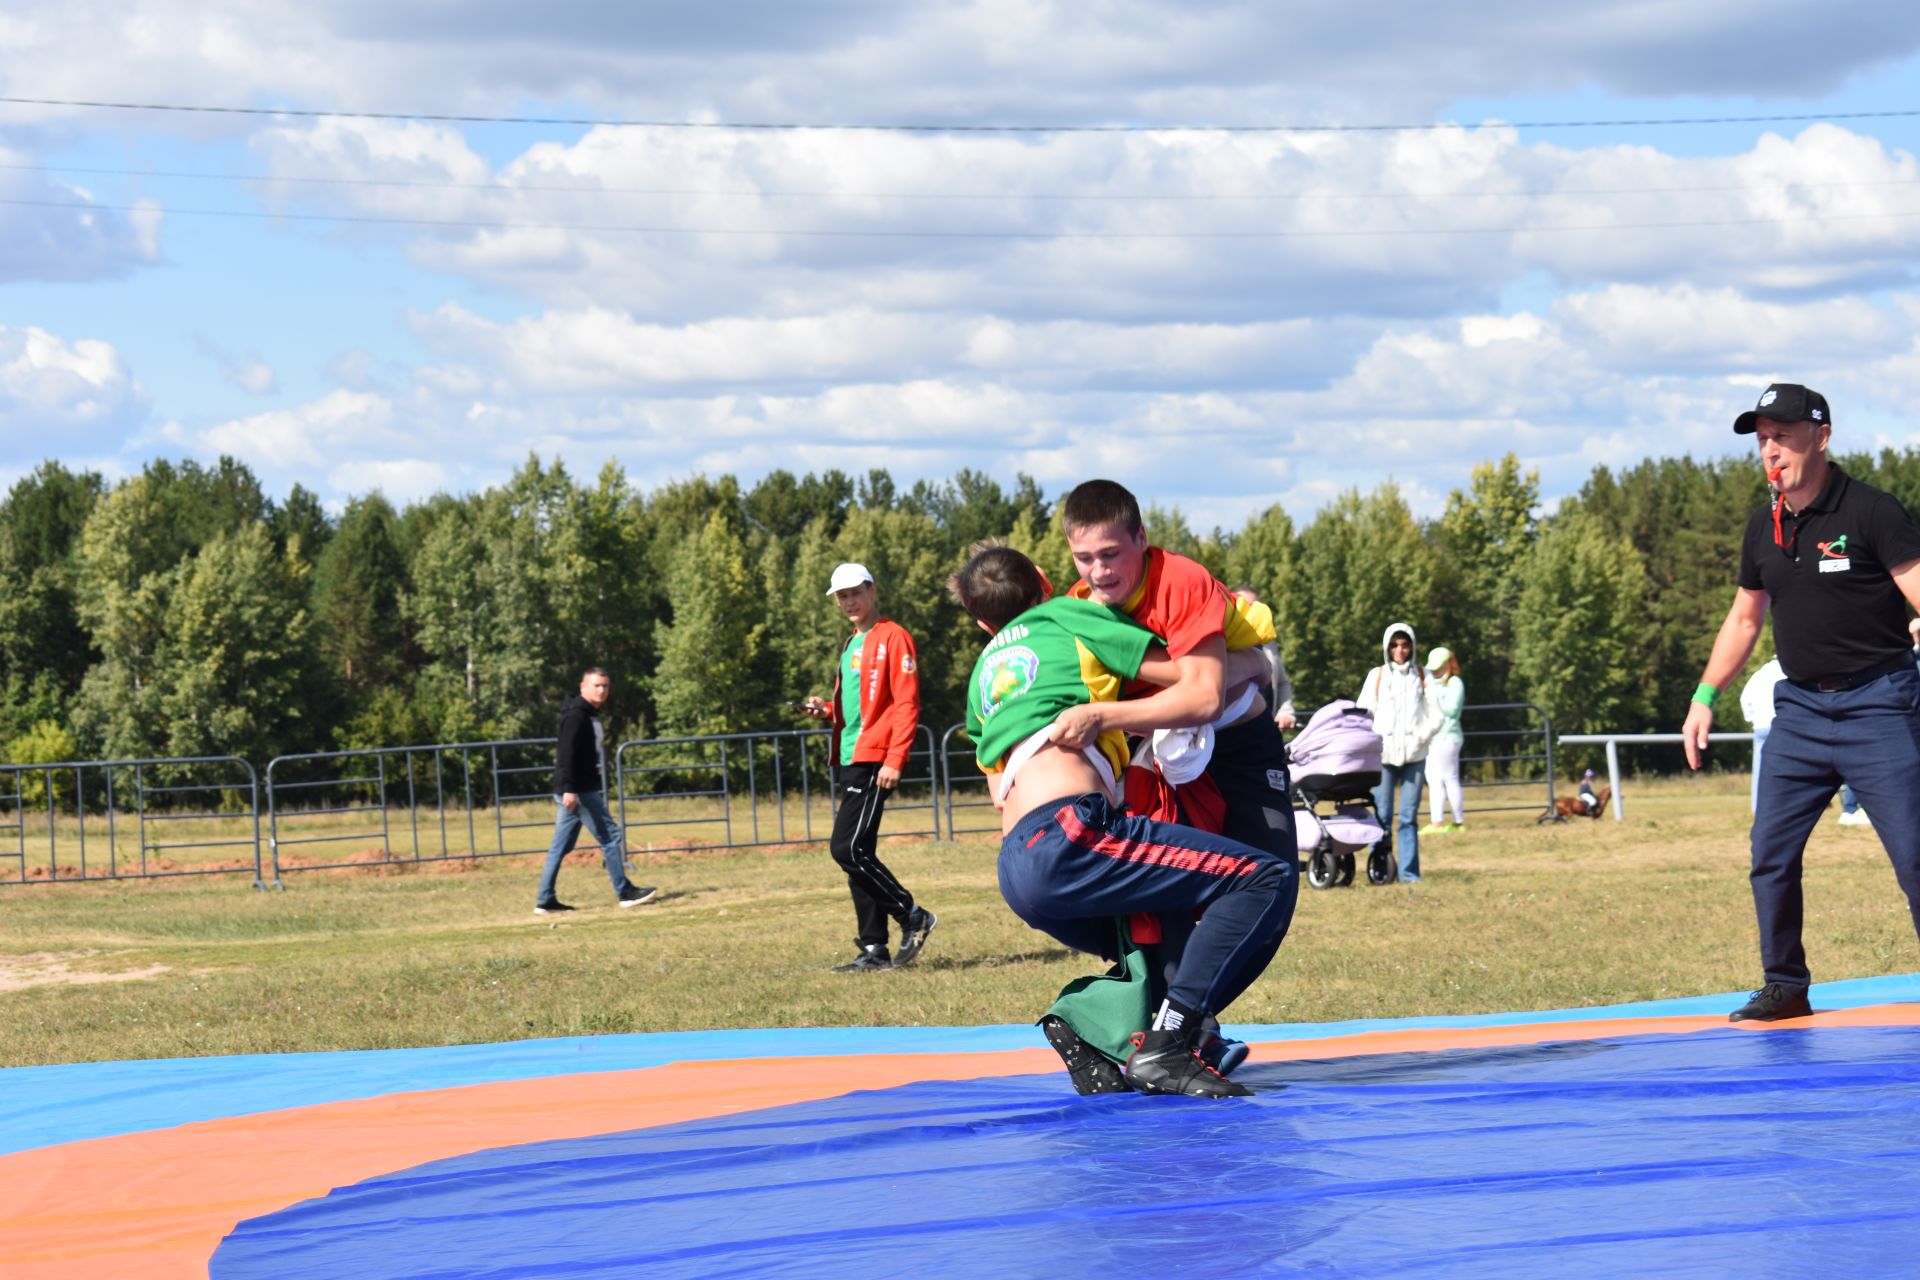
[(1089, 1069), (548, 908), (1165, 1062), (872, 956), (633, 896), (1773, 1002), (913, 935)]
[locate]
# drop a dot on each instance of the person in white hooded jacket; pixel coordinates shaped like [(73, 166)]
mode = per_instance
[(1406, 713)]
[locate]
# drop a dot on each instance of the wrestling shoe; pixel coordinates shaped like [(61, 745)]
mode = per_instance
[(872, 956), (1773, 1002), (1086, 1066), (1221, 1053), (913, 935), (549, 908), (633, 895), (1165, 1062)]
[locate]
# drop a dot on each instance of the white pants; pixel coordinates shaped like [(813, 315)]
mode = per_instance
[(1443, 777)]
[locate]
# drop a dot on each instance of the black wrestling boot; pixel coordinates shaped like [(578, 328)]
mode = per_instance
[(1089, 1069), (1165, 1062)]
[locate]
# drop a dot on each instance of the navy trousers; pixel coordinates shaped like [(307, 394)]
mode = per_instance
[(1867, 737), (1072, 865)]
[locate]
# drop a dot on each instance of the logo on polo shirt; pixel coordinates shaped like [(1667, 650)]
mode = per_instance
[(1004, 676), (1833, 555)]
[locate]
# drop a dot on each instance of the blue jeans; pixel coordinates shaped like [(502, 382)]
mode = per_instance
[(1406, 779), (593, 812), (1868, 737), (1848, 804)]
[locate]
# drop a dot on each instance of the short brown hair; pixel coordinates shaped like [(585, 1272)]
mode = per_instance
[(1100, 502), (997, 584)]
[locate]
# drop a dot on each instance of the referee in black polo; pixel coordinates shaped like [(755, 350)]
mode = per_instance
[(1839, 561)]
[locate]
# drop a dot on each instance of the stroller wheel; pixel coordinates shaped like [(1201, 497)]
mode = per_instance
[(1380, 866), (1345, 875), (1323, 869)]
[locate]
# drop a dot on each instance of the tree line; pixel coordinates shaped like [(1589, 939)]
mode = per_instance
[(184, 611)]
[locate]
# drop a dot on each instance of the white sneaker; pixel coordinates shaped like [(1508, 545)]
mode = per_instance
[(1858, 818)]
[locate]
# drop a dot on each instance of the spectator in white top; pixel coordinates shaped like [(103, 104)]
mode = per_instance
[(1406, 714), (1756, 704)]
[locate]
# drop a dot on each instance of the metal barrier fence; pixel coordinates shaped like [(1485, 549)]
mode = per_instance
[(1519, 767), (1510, 764), (1612, 743), (432, 803), (329, 799), (970, 776), (662, 775), (174, 808)]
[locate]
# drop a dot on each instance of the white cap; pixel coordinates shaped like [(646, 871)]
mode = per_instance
[(848, 575)]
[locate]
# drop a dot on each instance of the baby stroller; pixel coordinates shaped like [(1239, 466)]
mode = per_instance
[(1334, 765)]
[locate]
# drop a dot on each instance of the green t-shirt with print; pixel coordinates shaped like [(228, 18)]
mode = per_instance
[(850, 694), (1055, 655)]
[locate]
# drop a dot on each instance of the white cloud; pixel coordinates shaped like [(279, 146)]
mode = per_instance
[(54, 231), (58, 395), (246, 371), (310, 439), (401, 480), (1199, 228)]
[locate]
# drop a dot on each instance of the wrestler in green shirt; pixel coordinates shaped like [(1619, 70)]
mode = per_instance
[(1063, 653)]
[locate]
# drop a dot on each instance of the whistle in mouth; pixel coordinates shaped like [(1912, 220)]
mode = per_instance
[(1773, 476)]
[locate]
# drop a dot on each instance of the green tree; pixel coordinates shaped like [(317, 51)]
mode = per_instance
[(709, 675), (1686, 520), (301, 522), (357, 587), (1483, 540), (46, 742), (235, 674), (1362, 563), (1264, 556), (1579, 650)]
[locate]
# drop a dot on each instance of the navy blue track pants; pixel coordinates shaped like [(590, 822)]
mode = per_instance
[(1072, 865), (1868, 737)]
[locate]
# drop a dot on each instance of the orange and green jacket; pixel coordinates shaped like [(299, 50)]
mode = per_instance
[(889, 698)]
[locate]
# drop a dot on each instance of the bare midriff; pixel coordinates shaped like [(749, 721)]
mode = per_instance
[(1053, 773)]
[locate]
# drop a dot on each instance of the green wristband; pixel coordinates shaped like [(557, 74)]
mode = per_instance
[(1706, 695)]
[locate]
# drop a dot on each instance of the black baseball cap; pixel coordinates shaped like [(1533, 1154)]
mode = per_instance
[(1785, 402)]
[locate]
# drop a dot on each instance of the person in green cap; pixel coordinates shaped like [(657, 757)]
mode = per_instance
[(1443, 752)]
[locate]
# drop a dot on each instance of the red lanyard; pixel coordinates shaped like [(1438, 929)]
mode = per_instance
[(1773, 478)]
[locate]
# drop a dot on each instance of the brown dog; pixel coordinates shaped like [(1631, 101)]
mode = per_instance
[(1569, 806)]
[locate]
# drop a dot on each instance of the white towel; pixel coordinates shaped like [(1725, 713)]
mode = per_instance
[(1182, 755)]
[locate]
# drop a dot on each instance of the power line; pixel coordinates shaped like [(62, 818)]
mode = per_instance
[(415, 184), (463, 224), (763, 126)]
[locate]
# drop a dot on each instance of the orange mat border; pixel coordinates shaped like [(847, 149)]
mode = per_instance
[(157, 1204)]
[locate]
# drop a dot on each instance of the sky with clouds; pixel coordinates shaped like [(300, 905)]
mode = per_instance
[(1220, 317)]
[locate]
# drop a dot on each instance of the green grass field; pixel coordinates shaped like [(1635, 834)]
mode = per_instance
[(1510, 916)]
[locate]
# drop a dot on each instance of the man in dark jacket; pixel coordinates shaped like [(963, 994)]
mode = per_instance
[(580, 794)]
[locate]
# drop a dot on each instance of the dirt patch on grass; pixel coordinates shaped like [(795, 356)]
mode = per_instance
[(49, 968)]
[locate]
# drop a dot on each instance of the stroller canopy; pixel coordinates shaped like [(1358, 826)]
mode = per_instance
[(1338, 740)]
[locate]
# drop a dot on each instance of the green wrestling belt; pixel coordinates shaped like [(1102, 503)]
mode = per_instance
[(1105, 1009)]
